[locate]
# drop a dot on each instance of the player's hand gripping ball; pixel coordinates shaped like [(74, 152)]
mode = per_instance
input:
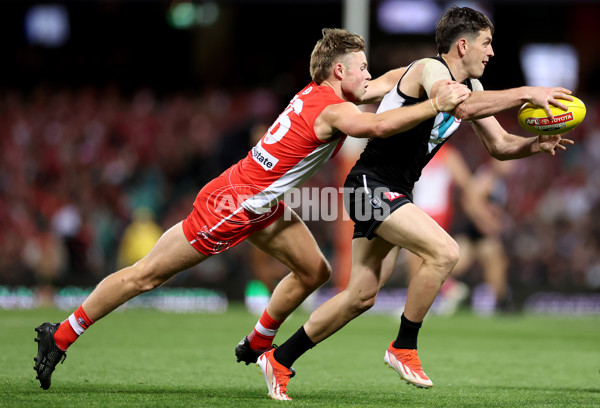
[(535, 119)]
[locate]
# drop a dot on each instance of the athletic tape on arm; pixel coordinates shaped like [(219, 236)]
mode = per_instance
[(433, 71), (476, 85)]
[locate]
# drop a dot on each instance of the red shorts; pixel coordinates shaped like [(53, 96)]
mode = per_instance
[(217, 221)]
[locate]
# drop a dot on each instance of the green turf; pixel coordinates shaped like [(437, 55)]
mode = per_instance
[(150, 359)]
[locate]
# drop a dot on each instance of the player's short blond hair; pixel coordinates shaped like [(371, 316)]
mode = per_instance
[(331, 49)]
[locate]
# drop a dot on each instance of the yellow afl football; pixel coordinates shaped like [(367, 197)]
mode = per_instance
[(535, 120)]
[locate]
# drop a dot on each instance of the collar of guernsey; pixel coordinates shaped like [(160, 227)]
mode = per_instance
[(289, 153)]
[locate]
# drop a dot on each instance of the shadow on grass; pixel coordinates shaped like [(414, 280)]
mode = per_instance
[(249, 391), (237, 395), (152, 389)]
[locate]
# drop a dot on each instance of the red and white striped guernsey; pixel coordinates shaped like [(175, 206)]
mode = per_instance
[(288, 154)]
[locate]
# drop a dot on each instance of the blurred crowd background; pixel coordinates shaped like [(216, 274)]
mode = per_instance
[(106, 138)]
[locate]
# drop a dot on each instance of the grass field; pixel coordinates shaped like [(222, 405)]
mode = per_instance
[(145, 358)]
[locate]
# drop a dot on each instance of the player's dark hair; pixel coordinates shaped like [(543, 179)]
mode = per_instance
[(335, 44), (459, 22)]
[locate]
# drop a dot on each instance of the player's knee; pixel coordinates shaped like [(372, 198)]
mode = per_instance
[(446, 257), (323, 273), (451, 254), (144, 276), (317, 276)]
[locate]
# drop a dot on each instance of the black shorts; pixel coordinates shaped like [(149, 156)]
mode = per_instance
[(471, 231), (370, 201)]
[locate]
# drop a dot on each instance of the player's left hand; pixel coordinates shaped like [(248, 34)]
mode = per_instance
[(549, 143)]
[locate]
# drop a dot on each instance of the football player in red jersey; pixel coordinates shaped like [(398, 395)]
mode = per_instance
[(244, 202)]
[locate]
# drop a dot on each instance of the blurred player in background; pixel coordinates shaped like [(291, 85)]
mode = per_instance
[(482, 197), (379, 195), (434, 193), (244, 202), (482, 243)]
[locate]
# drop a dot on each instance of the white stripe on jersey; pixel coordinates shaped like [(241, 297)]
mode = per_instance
[(296, 176)]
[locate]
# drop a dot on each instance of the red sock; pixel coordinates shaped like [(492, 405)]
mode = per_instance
[(264, 332), (72, 328)]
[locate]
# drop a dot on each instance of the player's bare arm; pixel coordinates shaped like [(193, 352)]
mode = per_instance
[(507, 146), (481, 103), (429, 77), (348, 119), (380, 86)]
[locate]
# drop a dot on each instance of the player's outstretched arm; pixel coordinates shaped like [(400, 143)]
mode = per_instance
[(348, 119), (481, 104), (507, 146)]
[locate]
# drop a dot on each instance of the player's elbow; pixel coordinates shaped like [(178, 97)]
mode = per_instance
[(382, 129), (501, 156), (498, 153), (370, 132), (464, 112)]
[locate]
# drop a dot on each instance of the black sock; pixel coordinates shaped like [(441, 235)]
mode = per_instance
[(293, 348), (407, 335)]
